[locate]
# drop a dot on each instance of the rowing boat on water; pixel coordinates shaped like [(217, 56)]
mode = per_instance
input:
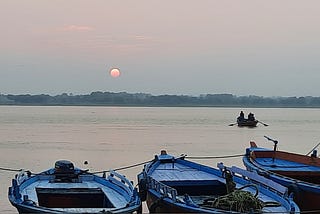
[(248, 123)]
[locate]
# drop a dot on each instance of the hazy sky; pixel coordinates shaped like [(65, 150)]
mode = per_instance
[(189, 47)]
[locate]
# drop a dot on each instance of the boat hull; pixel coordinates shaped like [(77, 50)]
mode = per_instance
[(289, 170), (247, 123)]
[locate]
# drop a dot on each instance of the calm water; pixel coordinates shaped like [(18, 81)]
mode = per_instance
[(33, 138)]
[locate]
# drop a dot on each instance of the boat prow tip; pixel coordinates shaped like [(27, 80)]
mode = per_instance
[(253, 144)]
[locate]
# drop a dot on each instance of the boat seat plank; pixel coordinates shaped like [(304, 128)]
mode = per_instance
[(180, 172), (284, 165)]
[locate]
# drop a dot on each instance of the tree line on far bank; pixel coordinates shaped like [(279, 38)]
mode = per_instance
[(142, 99)]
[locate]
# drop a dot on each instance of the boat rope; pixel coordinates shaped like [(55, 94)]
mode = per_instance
[(116, 169), (238, 201), (214, 157), (251, 185), (142, 163), (122, 168), (10, 169)]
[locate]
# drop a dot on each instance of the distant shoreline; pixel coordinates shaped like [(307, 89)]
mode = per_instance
[(125, 99)]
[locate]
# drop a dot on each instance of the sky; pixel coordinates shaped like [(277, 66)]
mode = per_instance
[(177, 47)]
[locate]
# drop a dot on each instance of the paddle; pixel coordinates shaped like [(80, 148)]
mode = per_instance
[(274, 146), (268, 138), (263, 123), (313, 149), (232, 124)]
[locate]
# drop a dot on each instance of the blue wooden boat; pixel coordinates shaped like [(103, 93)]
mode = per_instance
[(299, 173), (65, 189), (171, 184)]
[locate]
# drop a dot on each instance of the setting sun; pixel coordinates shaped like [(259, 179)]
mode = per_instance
[(115, 72)]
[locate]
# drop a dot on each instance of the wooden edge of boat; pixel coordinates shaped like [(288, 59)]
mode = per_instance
[(256, 152)]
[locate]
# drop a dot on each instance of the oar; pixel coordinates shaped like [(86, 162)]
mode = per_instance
[(312, 149), (232, 124), (274, 146), (263, 123)]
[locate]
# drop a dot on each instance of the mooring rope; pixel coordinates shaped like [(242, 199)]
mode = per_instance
[(187, 157), (122, 168), (214, 157), (116, 169), (142, 163), (10, 169)]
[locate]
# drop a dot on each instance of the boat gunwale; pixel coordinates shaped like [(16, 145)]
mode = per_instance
[(307, 160)]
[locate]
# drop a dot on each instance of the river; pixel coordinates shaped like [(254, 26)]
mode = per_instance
[(34, 137)]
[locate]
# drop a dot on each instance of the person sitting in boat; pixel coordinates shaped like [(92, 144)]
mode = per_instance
[(251, 117), (241, 117)]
